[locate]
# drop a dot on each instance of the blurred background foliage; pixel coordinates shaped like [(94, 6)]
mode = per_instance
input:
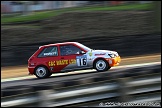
[(27, 25)]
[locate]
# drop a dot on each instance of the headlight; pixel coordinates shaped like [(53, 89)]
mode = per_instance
[(112, 55)]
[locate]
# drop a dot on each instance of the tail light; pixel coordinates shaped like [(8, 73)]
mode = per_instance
[(30, 63)]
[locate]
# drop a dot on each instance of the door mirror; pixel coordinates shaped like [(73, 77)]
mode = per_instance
[(82, 52)]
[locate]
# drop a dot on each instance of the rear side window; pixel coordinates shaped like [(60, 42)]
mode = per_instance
[(69, 50), (49, 51)]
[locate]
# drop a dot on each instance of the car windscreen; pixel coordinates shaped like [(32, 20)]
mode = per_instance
[(84, 47)]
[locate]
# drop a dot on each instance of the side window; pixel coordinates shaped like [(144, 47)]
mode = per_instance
[(50, 51), (69, 49)]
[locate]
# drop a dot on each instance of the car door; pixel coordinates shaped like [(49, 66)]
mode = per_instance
[(72, 54)]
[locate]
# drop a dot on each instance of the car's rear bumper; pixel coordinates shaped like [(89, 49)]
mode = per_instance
[(114, 61), (31, 70)]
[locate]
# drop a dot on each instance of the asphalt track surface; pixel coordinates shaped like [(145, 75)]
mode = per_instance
[(22, 71), (75, 76), (67, 77)]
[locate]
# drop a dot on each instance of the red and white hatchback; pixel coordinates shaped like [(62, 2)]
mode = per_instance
[(70, 56)]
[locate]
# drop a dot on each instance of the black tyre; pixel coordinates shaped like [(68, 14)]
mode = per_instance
[(101, 65), (42, 72), (49, 74)]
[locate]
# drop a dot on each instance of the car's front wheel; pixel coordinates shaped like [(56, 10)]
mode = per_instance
[(42, 72), (101, 65)]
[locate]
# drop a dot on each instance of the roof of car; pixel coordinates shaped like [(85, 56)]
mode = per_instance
[(58, 44)]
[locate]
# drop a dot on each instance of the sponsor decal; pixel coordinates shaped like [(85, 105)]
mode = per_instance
[(90, 53), (100, 54), (61, 62), (50, 53)]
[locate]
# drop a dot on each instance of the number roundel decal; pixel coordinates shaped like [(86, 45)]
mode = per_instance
[(81, 60)]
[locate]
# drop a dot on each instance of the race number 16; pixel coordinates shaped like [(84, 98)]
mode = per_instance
[(82, 62)]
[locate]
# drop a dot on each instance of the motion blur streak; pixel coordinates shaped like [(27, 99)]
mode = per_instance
[(22, 70), (82, 72), (138, 84)]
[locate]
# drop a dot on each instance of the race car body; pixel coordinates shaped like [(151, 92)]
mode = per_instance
[(70, 56)]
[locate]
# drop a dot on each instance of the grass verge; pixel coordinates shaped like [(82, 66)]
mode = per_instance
[(47, 14)]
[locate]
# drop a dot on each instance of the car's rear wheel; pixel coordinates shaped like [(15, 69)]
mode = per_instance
[(101, 65), (42, 72)]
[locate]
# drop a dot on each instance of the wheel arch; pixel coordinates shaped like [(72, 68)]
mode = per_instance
[(99, 59), (40, 66)]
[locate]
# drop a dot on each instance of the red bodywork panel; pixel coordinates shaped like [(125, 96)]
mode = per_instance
[(57, 62)]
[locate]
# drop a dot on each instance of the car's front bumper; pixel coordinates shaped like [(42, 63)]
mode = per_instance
[(114, 61)]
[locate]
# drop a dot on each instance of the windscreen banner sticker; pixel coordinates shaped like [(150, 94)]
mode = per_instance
[(61, 62), (81, 60)]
